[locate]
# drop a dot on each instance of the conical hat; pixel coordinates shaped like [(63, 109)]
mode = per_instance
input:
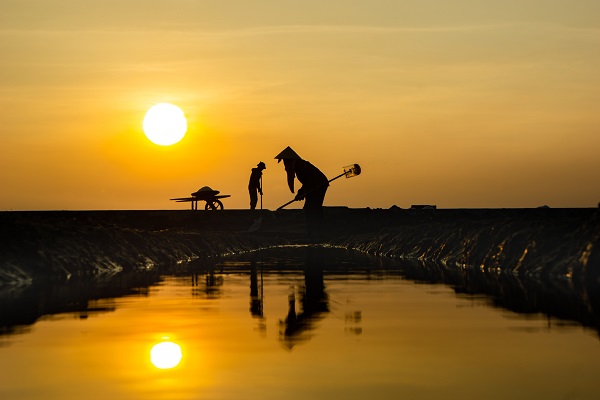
[(287, 153)]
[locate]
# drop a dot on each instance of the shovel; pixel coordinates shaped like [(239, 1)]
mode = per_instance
[(349, 172)]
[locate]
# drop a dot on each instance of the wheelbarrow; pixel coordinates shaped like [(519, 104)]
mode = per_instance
[(211, 197)]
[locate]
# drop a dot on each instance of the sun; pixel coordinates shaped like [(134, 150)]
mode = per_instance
[(165, 124), (165, 355)]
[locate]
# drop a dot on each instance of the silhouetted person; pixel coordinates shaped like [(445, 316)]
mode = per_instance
[(314, 186), (255, 184)]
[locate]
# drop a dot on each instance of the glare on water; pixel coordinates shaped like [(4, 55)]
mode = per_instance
[(299, 329)]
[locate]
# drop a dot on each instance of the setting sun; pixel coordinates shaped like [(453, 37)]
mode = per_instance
[(165, 124)]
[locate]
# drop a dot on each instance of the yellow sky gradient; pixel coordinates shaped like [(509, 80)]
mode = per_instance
[(467, 103)]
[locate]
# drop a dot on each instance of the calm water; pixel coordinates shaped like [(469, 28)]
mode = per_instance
[(300, 323)]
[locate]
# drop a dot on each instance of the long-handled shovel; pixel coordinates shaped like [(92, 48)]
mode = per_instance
[(349, 172)]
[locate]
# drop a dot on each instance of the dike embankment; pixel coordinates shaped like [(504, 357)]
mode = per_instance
[(57, 245)]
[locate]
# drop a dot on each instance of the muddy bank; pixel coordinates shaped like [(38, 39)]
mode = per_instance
[(58, 245), (559, 243)]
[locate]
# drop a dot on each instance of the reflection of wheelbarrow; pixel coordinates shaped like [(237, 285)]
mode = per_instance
[(204, 194)]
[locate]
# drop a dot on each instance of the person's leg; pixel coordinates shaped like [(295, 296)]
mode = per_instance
[(253, 198), (313, 209)]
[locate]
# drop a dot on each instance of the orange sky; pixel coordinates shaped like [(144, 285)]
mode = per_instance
[(467, 103)]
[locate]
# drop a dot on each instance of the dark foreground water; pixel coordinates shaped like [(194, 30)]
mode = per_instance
[(301, 323)]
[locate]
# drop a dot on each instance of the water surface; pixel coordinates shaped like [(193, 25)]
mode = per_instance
[(302, 323)]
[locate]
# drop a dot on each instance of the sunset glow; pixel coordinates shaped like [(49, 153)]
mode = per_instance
[(462, 104)]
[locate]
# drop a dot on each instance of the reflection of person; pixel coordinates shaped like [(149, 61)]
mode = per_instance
[(314, 186), (255, 184), (314, 302), (256, 302)]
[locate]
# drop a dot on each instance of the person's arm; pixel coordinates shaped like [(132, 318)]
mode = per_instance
[(291, 174), (300, 194)]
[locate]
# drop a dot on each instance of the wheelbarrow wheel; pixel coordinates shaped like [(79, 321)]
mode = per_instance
[(213, 205)]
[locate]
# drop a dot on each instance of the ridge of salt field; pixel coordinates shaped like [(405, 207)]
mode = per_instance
[(557, 243)]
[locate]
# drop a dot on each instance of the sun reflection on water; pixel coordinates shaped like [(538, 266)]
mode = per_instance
[(321, 330), (166, 355)]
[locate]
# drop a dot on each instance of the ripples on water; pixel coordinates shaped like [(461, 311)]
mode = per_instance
[(298, 323)]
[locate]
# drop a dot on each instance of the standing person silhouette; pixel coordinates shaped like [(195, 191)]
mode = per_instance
[(255, 184), (314, 186)]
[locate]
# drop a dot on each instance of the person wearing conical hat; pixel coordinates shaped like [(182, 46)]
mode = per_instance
[(314, 186), (255, 184)]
